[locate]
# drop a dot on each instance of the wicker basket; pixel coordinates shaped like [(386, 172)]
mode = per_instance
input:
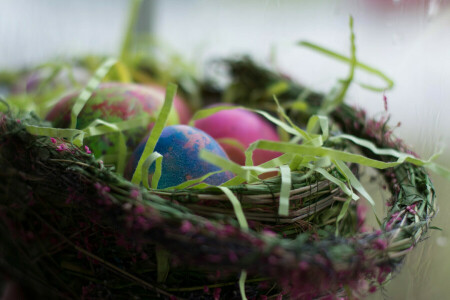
[(72, 228)]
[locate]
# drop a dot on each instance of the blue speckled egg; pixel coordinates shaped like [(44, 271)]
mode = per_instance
[(180, 146)]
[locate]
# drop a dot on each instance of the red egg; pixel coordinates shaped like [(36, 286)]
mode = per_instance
[(245, 127)]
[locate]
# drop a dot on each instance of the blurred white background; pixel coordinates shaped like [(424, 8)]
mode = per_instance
[(407, 39)]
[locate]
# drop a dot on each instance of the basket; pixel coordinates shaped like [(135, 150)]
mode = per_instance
[(72, 228)]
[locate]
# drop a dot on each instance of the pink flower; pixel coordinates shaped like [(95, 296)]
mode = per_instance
[(410, 208), (88, 151), (139, 209), (134, 193), (380, 244), (53, 140), (62, 147), (186, 226), (269, 232), (102, 189), (209, 226)]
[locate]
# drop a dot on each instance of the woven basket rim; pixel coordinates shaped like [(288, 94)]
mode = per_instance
[(383, 248)]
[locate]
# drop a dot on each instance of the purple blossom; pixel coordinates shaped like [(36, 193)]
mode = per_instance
[(410, 209), (385, 103), (226, 230), (88, 151), (102, 189), (134, 193), (209, 226), (269, 232), (186, 226), (139, 209), (383, 274), (62, 147), (143, 223), (380, 244)]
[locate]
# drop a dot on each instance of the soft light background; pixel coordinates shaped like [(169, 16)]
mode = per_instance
[(408, 39)]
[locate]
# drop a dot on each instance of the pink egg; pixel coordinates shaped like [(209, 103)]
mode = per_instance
[(183, 110), (244, 126)]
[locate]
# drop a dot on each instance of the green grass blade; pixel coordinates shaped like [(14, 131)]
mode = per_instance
[(283, 209), (157, 158), (74, 135), (156, 131), (86, 93), (389, 82), (342, 167), (242, 279), (236, 207)]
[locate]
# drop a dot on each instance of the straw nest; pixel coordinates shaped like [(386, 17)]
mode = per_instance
[(72, 228)]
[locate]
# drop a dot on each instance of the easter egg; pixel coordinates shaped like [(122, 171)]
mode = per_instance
[(243, 126), (183, 110), (112, 102), (180, 146)]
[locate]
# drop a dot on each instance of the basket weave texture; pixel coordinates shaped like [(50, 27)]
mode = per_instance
[(72, 228)]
